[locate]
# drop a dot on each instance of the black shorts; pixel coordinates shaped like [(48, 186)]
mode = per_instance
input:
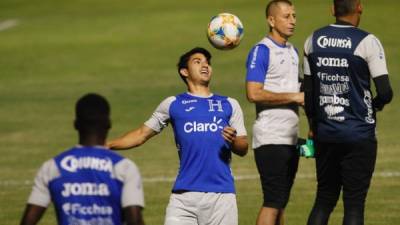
[(277, 166), (344, 166)]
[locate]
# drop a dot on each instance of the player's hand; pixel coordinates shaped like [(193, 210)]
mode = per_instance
[(229, 134)]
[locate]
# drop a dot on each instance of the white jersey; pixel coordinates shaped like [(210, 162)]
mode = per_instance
[(277, 68)]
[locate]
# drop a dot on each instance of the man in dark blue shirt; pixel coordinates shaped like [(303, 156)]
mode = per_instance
[(340, 61)]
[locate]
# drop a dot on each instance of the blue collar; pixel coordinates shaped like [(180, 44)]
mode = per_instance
[(276, 43)]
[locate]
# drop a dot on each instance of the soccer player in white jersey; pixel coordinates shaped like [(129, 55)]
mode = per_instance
[(272, 83), (207, 128), (340, 61), (88, 184)]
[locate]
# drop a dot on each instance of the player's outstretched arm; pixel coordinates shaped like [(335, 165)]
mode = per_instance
[(32, 214), (257, 94), (239, 143), (132, 139), (133, 215)]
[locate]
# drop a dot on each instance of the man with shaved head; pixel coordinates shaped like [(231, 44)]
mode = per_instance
[(340, 61), (272, 83)]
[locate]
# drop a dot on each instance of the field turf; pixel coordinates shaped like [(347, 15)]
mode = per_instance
[(127, 50)]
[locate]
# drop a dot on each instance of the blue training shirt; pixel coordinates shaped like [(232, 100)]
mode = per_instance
[(88, 185), (204, 154)]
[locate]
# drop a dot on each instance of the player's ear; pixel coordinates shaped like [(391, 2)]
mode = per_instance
[(184, 72), (359, 8), (271, 21)]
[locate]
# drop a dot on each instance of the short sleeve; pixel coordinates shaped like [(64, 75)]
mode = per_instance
[(371, 50), (236, 121), (257, 63), (132, 191), (40, 194), (160, 118)]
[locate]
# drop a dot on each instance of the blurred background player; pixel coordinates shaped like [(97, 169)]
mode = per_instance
[(207, 128), (88, 184), (340, 61), (272, 83)]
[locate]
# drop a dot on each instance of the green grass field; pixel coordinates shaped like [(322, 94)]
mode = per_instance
[(127, 50)]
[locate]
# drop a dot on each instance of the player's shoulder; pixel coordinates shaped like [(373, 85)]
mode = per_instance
[(372, 38), (74, 154), (126, 164), (166, 102), (262, 46), (48, 166), (169, 99), (334, 29), (126, 168), (258, 53), (233, 101)]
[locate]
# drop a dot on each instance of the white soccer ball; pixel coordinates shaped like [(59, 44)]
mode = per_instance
[(225, 31)]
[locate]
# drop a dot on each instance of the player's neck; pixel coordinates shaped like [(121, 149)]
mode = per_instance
[(353, 19), (92, 140), (278, 38), (199, 90)]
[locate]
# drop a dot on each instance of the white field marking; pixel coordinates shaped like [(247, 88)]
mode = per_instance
[(6, 24), (388, 174)]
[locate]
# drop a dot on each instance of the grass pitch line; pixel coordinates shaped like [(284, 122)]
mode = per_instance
[(7, 24), (10, 183)]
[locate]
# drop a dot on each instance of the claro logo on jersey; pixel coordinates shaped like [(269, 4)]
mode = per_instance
[(325, 42), (332, 62), (73, 164), (195, 127)]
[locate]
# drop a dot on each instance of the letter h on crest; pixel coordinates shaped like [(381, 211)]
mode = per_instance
[(217, 104)]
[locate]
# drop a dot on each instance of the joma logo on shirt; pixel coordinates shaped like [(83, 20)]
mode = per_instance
[(332, 62), (85, 189)]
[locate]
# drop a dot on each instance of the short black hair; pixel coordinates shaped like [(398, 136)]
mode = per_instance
[(184, 59), (275, 2), (92, 113), (344, 7)]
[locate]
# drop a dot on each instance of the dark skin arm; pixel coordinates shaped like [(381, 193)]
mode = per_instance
[(32, 214), (133, 215)]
